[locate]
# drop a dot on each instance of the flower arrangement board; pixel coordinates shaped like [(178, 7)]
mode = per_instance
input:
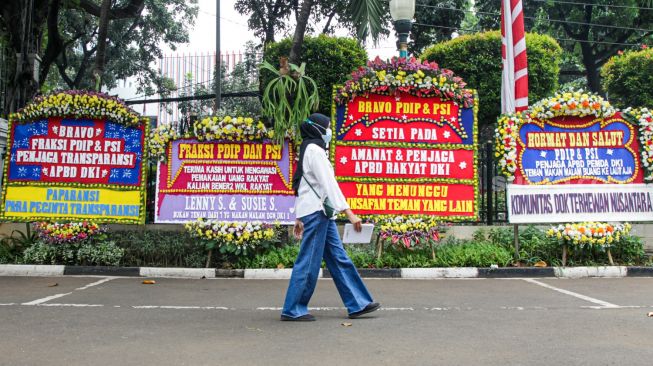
[(225, 180), (573, 157), (573, 150), (406, 142), (75, 155)]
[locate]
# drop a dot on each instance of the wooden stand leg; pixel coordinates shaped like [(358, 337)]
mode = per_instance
[(379, 247), (432, 250), (208, 258), (610, 257), (516, 238), (564, 255)]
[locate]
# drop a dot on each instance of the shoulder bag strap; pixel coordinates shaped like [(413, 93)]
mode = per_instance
[(312, 189)]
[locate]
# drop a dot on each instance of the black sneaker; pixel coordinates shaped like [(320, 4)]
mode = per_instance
[(303, 318), (374, 306)]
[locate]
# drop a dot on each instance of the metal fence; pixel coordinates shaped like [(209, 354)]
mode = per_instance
[(201, 66), (492, 185)]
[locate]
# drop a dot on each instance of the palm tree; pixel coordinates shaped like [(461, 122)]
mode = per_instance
[(367, 15)]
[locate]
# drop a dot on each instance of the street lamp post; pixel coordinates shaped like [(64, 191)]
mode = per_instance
[(402, 12), (218, 59)]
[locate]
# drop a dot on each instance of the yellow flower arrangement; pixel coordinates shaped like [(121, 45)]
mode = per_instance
[(577, 103), (70, 232), (159, 139), (239, 234), (409, 231), (589, 233), (505, 137), (77, 104), (231, 129), (405, 75)]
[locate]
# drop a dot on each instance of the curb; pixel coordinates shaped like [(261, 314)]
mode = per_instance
[(640, 272), (177, 272), (229, 273), (284, 274), (429, 273), (31, 270), (102, 271), (582, 272), (270, 274), (516, 272), (371, 273)]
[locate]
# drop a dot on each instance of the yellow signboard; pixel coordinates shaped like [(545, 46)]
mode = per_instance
[(28, 203), (75, 169)]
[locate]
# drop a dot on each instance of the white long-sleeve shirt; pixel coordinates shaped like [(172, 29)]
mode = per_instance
[(319, 173)]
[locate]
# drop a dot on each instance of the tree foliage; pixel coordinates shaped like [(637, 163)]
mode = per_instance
[(361, 18), (266, 17), (435, 21), (477, 59), (64, 34), (329, 60), (133, 44), (594, 30), (628, 78)]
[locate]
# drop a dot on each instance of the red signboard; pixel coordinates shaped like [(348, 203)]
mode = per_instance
[(414, 198), (407, 155), (400, 162)]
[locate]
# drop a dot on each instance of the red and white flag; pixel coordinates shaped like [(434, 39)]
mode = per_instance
[(514, 79)]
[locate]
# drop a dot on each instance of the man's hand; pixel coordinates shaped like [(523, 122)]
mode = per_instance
[(355, 220), (298, 230)]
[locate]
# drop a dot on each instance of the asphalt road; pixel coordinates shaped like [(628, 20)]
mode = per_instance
[(120, 321)]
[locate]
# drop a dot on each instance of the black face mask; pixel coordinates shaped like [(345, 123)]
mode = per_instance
[(311, 133)]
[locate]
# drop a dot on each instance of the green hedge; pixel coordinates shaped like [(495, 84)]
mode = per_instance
[(329, 61), (477, 59), (628, 78)]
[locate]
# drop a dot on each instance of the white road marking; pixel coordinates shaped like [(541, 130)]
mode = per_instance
[(40, 301), (181, 307), (48, 298), (74, 305), (618, 307), (603, 304), (95, 283), (331, 308), (327, 308)]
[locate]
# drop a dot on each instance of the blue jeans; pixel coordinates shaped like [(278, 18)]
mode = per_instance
[(321, 240)]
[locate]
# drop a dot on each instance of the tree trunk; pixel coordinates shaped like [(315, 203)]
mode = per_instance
[(102, 43), (593, 78), (23, 24), (269, 37), (588, 55), (300, 30), (55, 45)]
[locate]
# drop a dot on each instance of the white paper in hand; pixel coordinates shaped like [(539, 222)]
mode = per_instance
[(350, 236)]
